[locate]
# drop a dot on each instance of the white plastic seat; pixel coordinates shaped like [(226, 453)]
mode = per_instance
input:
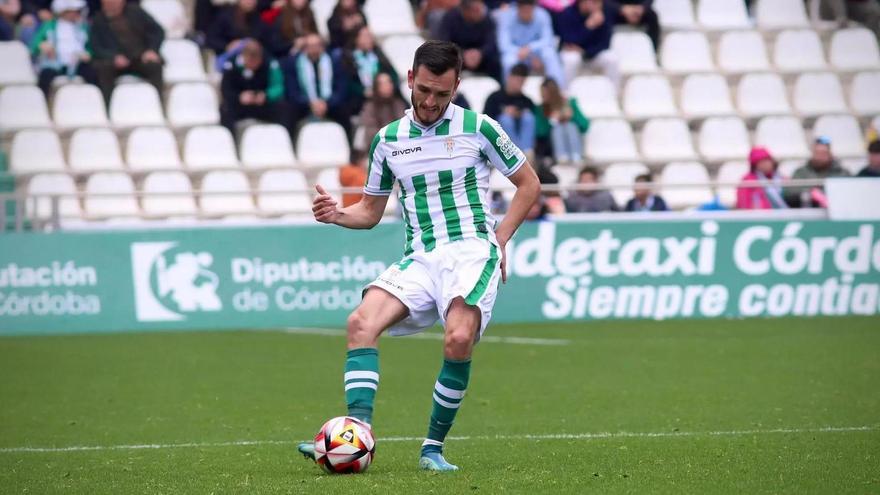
[(400, 50), (152, 148), (635, 53), (532, 88), (742, 51), (781, 14), (209, 147), (667, 139), (329, 180), (721, 15), (322, 10), (567, 174), (23, 107), (322, 144), (498, 182), (853, 165), (685, 53), (610, 140), (134, 105), (272, 202), (818, 93), (762, 94), (798, 51), (44, 186), (36, 150), (387, 17), (183, 61), (854, 49), (685, 173), (705, 95), (237, 198), (191, 104), (622, 175), (122, 204), (182, 203), (783, 136), (864, 96), (787, 167), (845, 134), (79, 105), (648, 96), (266, 145), (675, 14), (723, 138), (94, 150), (17, 68), (731, 172), (595, 95), (169, 14), (476, 89)]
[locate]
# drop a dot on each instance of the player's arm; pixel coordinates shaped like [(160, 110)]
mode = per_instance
[(364, 214), (528, 189)]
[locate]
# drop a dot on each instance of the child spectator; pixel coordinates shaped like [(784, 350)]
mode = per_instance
[(60, 45)]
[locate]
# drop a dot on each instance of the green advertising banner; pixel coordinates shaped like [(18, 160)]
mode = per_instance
[(303, 276)]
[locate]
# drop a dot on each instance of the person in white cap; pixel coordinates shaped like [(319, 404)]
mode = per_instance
[(61, 45)]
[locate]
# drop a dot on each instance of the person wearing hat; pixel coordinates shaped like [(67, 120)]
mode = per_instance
[(821, 165), (61, 45), (762, 188)]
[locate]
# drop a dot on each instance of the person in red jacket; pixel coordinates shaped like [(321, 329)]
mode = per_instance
[(763, 188)]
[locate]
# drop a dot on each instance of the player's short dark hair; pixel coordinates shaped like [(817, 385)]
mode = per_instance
[(874, 146), (589, 169), (438, 57), (644, 178), (520, 69)]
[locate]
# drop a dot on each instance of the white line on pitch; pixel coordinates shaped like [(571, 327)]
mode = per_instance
[(494, 339), (557, 436)]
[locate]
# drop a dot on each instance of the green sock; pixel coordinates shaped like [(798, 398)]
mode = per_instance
[(361, 382), (448, 394)]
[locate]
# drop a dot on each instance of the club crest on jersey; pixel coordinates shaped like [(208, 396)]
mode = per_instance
[(406, 151), (450, 146)]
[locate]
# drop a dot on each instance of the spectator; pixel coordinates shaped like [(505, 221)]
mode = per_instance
[(562, 122), (252, 88), (820, 166), (430, 15), (362, 60), (315, 86), (513, 110), (473, 30), (344, 23), (873, 167), (295, 21), (590, 201), (644, 198), (353, 174), (639, 13), (768, 193), (383, 107), (60, 45), (585, 30), (9, 10), (125, 40), (525, 35), (234, 26), (866, 12)]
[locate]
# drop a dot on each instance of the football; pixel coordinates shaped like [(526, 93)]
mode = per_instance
[(344, 445)]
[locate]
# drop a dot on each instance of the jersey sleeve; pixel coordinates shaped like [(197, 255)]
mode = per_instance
[(498, 148), (380, 180)]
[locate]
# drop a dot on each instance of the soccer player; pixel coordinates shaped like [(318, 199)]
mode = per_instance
[(440, 155)]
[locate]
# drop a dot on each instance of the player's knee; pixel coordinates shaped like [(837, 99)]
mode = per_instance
[(359, 331), (459, 344)]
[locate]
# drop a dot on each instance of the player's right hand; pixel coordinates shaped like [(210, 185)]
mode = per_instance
[(324, 206)]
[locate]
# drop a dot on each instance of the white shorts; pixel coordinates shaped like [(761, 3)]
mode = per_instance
[(426, 283)]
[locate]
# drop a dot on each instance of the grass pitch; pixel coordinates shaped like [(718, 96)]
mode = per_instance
[(749, 406)]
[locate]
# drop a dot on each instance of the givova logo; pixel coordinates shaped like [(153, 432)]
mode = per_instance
[(169, 282)]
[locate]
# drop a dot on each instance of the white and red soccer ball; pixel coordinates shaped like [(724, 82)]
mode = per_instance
[(344, 445)]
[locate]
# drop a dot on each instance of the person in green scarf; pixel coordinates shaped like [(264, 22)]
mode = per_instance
[(560, 120)]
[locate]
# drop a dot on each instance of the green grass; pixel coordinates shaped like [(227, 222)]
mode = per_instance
[(685, 378)]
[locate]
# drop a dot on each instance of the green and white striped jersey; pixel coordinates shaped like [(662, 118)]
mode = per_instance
[(443, 173)]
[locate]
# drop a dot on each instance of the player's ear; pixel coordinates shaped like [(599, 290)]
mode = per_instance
[(409, 78)]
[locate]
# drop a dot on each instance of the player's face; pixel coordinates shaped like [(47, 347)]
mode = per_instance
[(431, 93)]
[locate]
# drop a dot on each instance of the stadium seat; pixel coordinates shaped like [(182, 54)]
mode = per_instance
[(595, 95), (667, 139), (124, 204), (322, 144), (648, 96), (635, 53), (209, 147), (329, 180), (17, 68), (191, 104), (23, 107), (567, 174), (854, 49), (705, 95), (237, 199), (742, 51), (685, 53), (163, 204), (781, 14), (36, 150), (845, 133), (532, 89), (721, 15), (267, 145), (864, 97), (387, 17), (152, 148), (610, 140), (731, 172), (622, 174), (183, 61), (798, 51), (724, 138), (476, 89), (762, 94), (818, 93), (875, 122), (269, 201), (134, 105), (687, 196), (79, 105), (783, 136), (675, 14), (498, 182), (170, 15), (43, 186), (94, 149), (787, 167), (853, 165), (322, 10), (400, 50)]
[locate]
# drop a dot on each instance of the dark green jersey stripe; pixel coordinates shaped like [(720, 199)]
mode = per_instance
[(407, 250), (506, 150), (470, 122), (442, 129), (373, 145), (391, 131), (483, 283), (387, 181), (414, 130), (473, 196), (423, 214), (447, 200)]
